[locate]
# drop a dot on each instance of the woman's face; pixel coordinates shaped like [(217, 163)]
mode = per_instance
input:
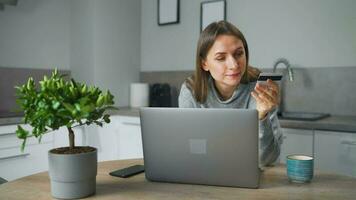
[(226, 62)]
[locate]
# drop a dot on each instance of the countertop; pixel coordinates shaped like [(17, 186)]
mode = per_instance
[(274, 184), (332, 123)]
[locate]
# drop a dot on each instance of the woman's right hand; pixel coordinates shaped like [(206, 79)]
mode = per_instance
[(267, 97)]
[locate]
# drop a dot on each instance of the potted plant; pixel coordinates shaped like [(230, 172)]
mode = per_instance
[(55, 103)]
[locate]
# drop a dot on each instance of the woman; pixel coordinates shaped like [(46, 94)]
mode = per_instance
[(223, 79)]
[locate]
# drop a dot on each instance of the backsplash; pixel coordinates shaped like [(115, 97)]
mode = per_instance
[(9, 77), (323, 90)]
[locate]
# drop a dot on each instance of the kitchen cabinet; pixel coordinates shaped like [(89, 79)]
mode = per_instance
[(14, 163), (120, 139), (129, 138), (104, 138), (335, 152), (296, 141)]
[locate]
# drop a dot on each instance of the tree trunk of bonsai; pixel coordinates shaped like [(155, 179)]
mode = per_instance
[(71, 138)]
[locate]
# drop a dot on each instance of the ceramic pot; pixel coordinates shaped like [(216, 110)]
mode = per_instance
[(73, 175)]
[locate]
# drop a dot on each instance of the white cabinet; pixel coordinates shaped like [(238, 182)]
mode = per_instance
[(14, 163), (336, 152), (120, 139), (104, 138), (129, 138), (296, 141)]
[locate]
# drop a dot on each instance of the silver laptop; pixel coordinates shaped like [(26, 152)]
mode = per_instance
[(201, 146)]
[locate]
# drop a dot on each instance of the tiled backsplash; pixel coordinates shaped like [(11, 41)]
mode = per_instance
[(324, 90), (9, 77)]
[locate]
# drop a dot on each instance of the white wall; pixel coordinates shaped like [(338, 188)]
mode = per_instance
[(98, 40), (105, 44), (310, 33), (35, 34), (117, 46), (170, 47), (82, 40)]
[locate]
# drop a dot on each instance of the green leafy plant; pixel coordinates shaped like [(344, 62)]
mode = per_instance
[(56, 103)]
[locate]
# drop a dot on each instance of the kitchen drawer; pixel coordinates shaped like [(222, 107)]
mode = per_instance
[(8, 138), (16, 164)]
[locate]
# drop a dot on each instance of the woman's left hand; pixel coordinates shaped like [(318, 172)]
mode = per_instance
[(266, 96)]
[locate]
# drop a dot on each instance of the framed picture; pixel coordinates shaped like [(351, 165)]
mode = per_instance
[(212, 11), (168, 12)]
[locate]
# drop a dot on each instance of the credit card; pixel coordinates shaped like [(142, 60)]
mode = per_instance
[(273, 76)]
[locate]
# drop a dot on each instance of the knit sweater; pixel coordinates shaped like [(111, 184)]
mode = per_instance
[(270, 134)]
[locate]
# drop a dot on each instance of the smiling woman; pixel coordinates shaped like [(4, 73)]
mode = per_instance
[(223, 79)]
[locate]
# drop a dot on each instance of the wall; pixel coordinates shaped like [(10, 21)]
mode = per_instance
[(117, 46), (318, 33), (35, 34), (105, 44), (82, 40), (98, 40)]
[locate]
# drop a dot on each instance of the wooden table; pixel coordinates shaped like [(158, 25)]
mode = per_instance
[(274, 185)]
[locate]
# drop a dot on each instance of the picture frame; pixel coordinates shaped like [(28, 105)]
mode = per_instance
[(211, 11), (168, 12)]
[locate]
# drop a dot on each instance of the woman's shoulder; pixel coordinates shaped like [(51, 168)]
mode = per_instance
[(186, 98), (185, 87), (188, 85)]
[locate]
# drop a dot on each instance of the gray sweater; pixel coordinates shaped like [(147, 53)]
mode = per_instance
[(270, 134)]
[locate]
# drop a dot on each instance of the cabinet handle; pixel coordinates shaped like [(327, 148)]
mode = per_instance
[(3, 134), (348, 142), (15, 156), (131, 123)]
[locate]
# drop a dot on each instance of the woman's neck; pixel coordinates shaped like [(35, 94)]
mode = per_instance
[(224, 91)]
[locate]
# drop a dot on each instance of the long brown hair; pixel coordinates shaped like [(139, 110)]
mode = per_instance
[(198, 83)]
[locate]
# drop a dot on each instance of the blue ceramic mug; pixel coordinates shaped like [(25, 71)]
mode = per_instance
[(300, 168)]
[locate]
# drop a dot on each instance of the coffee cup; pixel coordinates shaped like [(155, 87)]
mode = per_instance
[(300, 168)]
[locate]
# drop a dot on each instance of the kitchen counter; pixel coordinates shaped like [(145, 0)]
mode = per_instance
[(126, 111), (332, 123), (123, 111), (10, 120)]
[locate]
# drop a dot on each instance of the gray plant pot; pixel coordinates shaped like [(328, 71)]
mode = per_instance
[(72, 175)]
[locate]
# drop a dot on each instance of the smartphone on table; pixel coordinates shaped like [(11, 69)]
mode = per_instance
[(128, 171)]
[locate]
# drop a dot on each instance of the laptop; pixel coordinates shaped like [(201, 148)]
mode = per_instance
[(201, 146)]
